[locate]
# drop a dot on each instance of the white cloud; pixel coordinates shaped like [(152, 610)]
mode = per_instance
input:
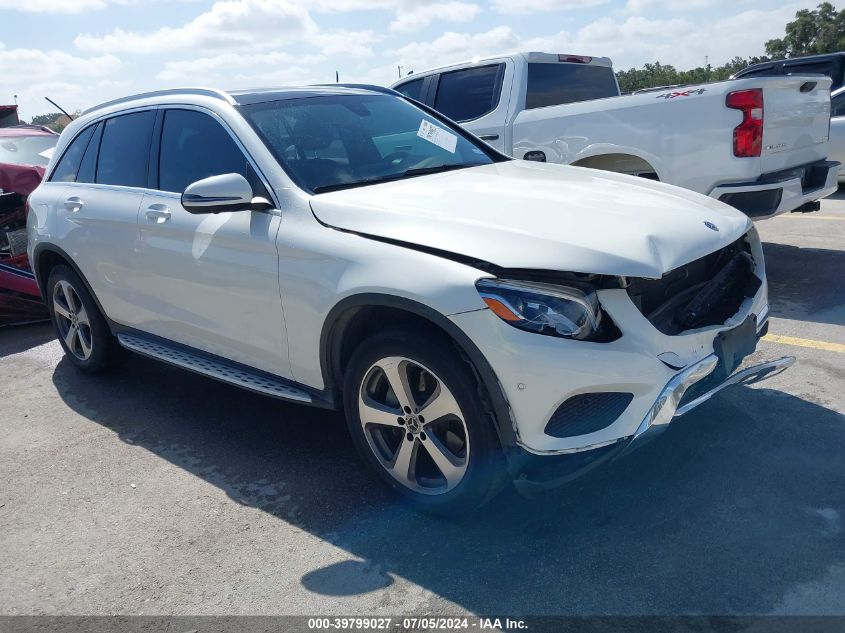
[(642, 6), (538, 6), (21, 65), (51, 6), (33, 74), (409, 15), (217, 69), (228, 24), (418, 17), (455, 47), (66, 6)]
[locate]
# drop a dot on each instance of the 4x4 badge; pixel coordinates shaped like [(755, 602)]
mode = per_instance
[(711, 226)]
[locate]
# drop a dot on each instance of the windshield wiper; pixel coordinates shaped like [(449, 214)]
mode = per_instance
[(408, 173)]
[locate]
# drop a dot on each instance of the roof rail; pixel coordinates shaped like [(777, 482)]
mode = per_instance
[(202, 92), (371, 87)]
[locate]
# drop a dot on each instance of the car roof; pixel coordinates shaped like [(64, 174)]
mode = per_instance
[(249, 96)]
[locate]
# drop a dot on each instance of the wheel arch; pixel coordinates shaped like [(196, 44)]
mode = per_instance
[(621, 161), (353, 318), (47, 256)]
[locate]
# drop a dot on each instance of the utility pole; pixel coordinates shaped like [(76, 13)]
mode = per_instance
[(399, 68)]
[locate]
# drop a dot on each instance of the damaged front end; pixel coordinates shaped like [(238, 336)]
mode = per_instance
[(20, 299), (704, 292)]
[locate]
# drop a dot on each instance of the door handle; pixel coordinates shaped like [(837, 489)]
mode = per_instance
[(158, 213), (73, 204), (489, 137)]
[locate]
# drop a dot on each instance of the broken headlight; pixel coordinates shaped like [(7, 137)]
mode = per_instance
[(543, 308)]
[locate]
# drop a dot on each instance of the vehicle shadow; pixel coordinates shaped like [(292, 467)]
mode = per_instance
[(737, 506), (798, 288), (15, 339)]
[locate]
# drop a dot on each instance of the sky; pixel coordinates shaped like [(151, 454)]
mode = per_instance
[(82, 52)]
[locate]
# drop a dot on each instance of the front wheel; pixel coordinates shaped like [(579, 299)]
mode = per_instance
[(416, 417)]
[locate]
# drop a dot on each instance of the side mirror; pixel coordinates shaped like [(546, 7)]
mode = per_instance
[(217, 194)]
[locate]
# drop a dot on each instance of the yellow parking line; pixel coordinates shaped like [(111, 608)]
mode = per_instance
[(806, 216), (805, 342)]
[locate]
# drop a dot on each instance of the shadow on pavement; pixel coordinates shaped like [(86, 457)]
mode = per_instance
[(806, 284), (736, 506), (15, 339)]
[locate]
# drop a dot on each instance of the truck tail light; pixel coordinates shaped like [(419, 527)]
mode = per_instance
[(748, 135)]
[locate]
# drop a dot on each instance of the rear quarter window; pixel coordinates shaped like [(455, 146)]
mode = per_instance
[(469, 93), (560, 83), (68, 165), (412, 89)]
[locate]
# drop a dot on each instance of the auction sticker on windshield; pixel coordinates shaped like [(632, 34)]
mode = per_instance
[(438, 136)]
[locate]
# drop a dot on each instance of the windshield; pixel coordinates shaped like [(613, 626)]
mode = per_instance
[(27, 150), (340, 141)]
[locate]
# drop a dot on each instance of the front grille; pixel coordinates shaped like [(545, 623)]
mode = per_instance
[(587, 413), (707, 291)]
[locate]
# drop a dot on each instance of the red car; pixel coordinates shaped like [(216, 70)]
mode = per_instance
[(25, 152)]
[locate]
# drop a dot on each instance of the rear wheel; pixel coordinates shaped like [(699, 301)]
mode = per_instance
[(82, 331), (416, 417)]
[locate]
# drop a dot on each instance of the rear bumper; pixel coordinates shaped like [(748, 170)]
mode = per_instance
[(781, 192)]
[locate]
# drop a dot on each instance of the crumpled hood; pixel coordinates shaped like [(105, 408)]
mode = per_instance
[(519, 214)]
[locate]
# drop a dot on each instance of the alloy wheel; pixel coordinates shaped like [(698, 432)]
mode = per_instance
[(414, 425), (72, 320)]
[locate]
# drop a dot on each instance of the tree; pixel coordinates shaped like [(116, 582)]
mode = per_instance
[(56, 121), (657, 74), (811, 33), (46, 119)]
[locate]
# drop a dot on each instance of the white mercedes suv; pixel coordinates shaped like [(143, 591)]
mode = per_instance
[(479, 319)]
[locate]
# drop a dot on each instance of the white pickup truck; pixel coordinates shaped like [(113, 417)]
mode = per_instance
[(759, 144)]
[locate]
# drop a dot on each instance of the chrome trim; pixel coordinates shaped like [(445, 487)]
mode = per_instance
[(748, 376), (762, 318), (666, 407), (663, 409)]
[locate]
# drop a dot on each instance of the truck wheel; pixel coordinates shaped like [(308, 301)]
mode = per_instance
[(415, 416), (82, 331)]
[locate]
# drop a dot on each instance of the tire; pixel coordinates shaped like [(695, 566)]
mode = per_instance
[(448, 464), (81, 329)]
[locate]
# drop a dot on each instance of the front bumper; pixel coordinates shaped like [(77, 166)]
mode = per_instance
[(534, 475), (671, 403), (781, 192)]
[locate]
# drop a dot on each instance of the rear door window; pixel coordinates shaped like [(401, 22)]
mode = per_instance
[(556, 84), (68, 166), (125, 150), (470, 93)]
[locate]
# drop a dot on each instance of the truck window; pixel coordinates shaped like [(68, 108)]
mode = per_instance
[(470, 93), (556, 84), (837, 105), (412, 89), (814, 68)]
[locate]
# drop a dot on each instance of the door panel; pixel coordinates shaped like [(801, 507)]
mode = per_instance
[(99, 225), (211, 282)]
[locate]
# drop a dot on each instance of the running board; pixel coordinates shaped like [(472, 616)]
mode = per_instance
[(219, 370)]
